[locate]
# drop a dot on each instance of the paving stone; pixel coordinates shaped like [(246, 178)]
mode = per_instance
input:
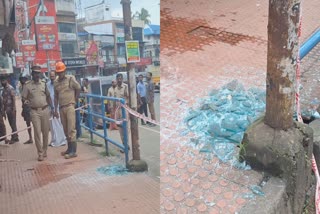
[(205, 45)]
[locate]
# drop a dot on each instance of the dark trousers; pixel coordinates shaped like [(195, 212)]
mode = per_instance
[(11, 115), (2, 128), (143, 108)]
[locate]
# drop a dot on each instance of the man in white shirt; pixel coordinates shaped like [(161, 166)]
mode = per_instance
[(54, 135)]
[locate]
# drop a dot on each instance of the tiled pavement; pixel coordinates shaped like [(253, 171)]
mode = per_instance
[(71, 186), (204, 45)]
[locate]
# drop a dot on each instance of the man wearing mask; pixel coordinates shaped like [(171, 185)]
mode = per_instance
[(9, 103), (66, 94), (37, 96)]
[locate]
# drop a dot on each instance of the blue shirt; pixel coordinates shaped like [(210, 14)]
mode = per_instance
[(141, 89)]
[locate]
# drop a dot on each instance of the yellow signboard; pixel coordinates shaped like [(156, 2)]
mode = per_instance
[(132, 51)]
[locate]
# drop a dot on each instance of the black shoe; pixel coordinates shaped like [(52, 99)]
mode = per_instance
[(28, 142), (15, 139), (143, 123)]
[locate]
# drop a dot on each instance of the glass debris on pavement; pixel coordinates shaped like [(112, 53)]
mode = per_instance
[(222, 118), (115, 170)]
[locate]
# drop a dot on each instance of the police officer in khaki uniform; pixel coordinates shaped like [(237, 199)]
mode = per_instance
[(121, 91), (36, 94), (67, 91)]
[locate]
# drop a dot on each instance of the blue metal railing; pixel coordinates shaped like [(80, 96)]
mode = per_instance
[(311, 42), (88, 125)]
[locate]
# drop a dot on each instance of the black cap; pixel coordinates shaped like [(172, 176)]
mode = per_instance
[(36, 68)]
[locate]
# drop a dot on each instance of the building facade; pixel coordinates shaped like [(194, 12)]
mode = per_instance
[(68, 38), (107, 32)]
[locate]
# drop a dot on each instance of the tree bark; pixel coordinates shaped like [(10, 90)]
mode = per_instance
[(132, 83), (282, 54)]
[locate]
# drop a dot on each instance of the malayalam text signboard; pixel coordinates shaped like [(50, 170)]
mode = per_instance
[(46, 33), (28, 50), (132, 51), (19, 60)]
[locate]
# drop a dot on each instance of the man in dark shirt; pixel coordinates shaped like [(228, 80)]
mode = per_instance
[(9, 103), (26, 110), (3, 131)]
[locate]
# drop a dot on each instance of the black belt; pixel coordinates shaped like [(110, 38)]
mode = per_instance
[(40, 108), (70, 104)]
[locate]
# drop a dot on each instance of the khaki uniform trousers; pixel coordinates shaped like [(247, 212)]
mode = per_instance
[(68, 120), (151, 109), (121, 130), (40, 121)]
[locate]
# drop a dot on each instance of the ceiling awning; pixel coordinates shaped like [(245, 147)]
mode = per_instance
[(100, 29)]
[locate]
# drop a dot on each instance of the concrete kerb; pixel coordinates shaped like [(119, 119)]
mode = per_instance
[(315, 125), (137, 166), (273, 201), (286, 155)]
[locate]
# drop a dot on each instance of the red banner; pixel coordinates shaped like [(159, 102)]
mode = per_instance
[(28, 49), (50, 40), (144, 61), (46, 33), (19, 60), (92, 53)]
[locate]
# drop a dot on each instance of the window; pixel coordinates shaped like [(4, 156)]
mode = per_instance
[(68, 49), (121, 51), (67, 28)]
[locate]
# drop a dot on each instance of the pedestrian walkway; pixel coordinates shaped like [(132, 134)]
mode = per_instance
[(57, 185), (205, 45)]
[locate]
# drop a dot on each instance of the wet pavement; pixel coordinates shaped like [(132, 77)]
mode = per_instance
[(205, 45), (78, 185)]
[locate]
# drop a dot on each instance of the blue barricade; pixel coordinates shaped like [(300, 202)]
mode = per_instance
[(89, 123)]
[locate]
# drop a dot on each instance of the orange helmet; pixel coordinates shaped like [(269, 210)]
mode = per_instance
[(60, 67)]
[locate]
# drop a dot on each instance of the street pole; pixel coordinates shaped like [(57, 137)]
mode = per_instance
[(136, 164), (281, 62)]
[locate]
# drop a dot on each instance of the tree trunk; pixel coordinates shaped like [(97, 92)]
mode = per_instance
[(282, 54), (132, 83)]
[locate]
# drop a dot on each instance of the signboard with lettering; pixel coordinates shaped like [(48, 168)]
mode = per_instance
[(19, 60), (28, 49), (145, 61), (49, 31), (81, 61), (120, 33), (67, 36), (46, 31), (132, 51)]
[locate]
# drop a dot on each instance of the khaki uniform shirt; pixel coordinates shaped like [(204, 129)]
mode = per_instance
[(111, 94), (36, 93), (122, 92), (65, 90)]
